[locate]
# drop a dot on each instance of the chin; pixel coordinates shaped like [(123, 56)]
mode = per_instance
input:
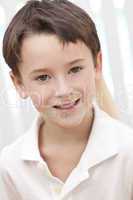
[(69, 122)]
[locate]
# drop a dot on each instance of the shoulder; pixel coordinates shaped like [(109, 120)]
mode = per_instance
[(10, 154), (122, 132), (116, 124), (120, 136)]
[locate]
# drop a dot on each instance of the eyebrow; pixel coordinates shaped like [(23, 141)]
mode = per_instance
[(42, 69)]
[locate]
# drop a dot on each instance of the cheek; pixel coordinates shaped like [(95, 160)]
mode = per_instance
[(41, 99), (89, 90), (37, 100), (89, 83)]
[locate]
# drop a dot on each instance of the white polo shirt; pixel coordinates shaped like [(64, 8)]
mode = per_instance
[(104, 172)]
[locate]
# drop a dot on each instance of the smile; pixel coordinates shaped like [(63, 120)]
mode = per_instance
[(67, 106)]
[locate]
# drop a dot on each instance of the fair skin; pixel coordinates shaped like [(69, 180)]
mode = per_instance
[(53, 75)]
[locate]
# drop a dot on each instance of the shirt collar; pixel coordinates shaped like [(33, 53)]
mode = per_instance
[(102, 143), (30, 149)]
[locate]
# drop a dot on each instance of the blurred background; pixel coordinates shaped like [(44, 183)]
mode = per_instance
[(113, 19)]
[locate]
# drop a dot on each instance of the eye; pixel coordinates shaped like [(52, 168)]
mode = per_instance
[(43, 77), (75, 69)]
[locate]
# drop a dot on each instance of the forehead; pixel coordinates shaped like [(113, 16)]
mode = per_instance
[(38, 50)]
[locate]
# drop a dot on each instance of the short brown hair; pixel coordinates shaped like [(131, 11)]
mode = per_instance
[(60, 17)]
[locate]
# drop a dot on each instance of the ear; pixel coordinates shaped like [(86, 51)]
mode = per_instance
[(98, 66), (18, 85)]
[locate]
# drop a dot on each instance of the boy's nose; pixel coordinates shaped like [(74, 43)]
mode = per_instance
[(63, 88)]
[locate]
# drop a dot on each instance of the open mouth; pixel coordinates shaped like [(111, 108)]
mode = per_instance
[(67, 105)]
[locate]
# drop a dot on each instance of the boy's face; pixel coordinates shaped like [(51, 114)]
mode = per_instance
[(59, 79)]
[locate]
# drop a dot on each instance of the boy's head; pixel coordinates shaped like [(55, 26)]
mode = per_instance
[(60, 17), (53, 50)]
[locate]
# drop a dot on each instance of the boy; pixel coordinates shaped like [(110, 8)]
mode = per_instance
[(73, 150)]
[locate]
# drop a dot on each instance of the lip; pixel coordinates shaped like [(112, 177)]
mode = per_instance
[(68, 105)]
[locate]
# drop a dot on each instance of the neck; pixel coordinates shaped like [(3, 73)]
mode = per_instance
[(54, 135)]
